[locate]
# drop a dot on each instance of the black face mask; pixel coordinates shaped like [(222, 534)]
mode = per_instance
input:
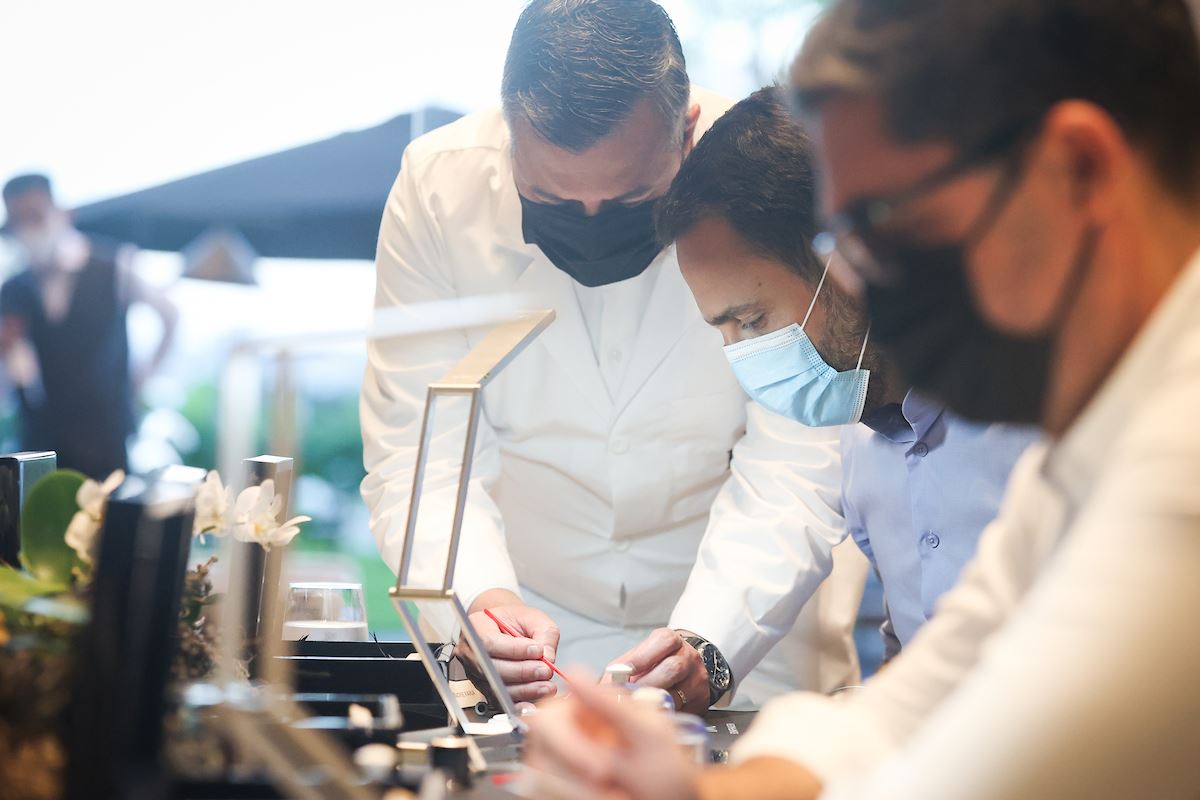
[(929, 323), (613, 245)]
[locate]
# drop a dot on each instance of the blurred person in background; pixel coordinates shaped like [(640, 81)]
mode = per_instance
[(1015, 188), (63, 334)]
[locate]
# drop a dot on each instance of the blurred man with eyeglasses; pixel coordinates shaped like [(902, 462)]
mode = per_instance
[(1016, 186)]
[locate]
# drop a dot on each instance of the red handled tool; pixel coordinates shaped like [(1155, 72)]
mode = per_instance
[(507, 630)]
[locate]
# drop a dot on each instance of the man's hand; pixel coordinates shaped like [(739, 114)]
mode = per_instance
[(516, 658), (664, 660), (588, 745)]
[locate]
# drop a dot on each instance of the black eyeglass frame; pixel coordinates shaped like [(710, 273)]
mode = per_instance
[(850, 231)]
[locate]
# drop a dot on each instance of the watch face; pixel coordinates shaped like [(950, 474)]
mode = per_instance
[(718, 670)]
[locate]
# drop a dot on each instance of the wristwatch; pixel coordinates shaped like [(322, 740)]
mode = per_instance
[(719, 676)]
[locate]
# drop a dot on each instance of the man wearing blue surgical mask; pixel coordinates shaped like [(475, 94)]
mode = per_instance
[(919, 483)]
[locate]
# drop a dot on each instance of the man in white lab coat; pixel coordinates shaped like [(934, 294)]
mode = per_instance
[(608, 441)]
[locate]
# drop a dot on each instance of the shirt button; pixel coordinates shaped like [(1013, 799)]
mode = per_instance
[(920, 449), (619, 446), (614, 355), (932, 539), (623, 546)]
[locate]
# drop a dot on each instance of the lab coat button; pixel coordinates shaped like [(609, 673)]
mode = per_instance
[(619, 446), (933, 540), (921, 449)]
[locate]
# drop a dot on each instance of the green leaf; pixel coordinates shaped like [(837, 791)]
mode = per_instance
[(49, 508), (18, 588)]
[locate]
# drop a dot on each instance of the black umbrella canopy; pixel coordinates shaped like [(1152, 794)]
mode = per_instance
[(319, 200)]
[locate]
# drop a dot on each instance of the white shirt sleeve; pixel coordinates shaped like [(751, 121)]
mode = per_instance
[(411, 268), (1061, 665), (769, 538)]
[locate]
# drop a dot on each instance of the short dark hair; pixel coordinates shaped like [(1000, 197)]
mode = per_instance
[(966, 71), (754, 169), (576, 68), (23, 184)]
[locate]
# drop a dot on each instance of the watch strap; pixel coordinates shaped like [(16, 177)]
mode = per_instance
[(699, 643)]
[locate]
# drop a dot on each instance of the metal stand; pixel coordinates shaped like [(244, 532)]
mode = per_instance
[(306, 764), (467, 378)]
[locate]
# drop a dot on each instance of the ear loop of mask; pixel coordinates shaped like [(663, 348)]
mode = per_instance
[(817, 293), (863, 350)]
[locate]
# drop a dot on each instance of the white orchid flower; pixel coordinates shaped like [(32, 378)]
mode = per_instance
[(213, 501), (92, 496), (81, 536), (84, 528), (255, 516)]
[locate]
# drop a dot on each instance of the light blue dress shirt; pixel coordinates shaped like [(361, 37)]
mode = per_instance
[(919, 485)]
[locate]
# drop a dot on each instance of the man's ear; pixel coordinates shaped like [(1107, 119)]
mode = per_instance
[(1097, 157), (689, 128)]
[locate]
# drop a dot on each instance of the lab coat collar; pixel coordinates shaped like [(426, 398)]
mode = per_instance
[(510, 237), (670, 314), (1073, 463), (547, 287), (567, 338)]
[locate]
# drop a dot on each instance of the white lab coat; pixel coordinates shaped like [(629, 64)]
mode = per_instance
[(596, 505)]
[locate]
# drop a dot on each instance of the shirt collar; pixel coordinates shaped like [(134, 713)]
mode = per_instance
[(921, 412), (907, 421), (1073, 463), (889, 422)]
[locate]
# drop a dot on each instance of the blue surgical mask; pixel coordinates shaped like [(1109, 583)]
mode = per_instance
[(783, 372)]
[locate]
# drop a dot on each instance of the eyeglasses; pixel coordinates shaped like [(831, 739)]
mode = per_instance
[(855, 234)]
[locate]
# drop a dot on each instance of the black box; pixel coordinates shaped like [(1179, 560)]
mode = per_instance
[(361, 668)]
